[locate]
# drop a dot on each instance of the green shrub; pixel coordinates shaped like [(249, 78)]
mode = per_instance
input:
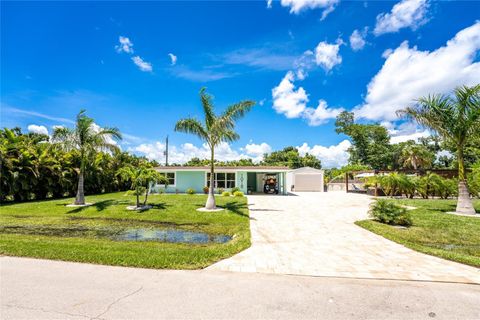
[(473, 180), (190, 191), (226, 194), (238, 194), (235, 190), (388, 212), (220, 190), (206, 189)]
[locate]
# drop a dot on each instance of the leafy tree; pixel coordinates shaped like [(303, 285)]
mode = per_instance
[(214, 130), (291, 158), (457, 119), (88, 141), (370, 142)]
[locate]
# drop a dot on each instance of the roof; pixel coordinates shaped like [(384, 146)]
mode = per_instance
[(225, 168), (306, 170)]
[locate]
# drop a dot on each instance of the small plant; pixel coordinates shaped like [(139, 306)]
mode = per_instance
[(226, 194), (238, 194), (206, 189), (388, 212), (220, 190), (190, 191), (235, 190)]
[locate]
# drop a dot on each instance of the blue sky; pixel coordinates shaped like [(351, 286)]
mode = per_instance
[(139, 67)]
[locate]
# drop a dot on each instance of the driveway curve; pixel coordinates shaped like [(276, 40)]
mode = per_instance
[(314, 234)]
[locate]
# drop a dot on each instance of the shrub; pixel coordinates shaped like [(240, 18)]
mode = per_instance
[(190, 191), (206, 189), (220, 190), (238, 194), (226, 194), (236, 189), (473, 180), (388, 212)]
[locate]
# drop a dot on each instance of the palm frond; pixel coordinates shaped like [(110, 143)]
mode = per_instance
[(193, 126), (207, 105)]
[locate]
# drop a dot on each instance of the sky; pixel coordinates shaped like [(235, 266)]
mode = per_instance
[(140, 66)]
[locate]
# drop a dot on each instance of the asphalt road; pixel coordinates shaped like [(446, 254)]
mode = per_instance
[(42, 289)]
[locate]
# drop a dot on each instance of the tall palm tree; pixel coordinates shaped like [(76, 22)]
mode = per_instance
[(456, 118), (88, 139), (215, 130)]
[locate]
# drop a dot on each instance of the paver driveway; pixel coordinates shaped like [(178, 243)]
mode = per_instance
[(315, 234)]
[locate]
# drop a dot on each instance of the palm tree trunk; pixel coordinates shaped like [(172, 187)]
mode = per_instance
[(137, 191), (146, 195), (210, 205), (80, 198), (464, 203)]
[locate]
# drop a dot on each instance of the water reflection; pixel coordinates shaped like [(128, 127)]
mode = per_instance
[(171, 235)]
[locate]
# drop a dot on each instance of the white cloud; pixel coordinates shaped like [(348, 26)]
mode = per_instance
[(357, 39), (38, 129), (96, 128), (405, 131), (257, 150), (125, 45), (321, 114), (405, 14), (332, 156), (183, 153), (287, 100), (292, 103), (409, 73), (269, 4), (142, 65), (297, 6), (327, 56), (173, 59)]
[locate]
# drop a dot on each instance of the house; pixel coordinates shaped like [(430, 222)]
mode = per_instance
[(249, 179)]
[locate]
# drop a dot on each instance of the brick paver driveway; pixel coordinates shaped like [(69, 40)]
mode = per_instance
[(315, 234)]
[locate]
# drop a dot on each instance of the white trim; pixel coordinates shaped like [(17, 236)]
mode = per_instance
[(174, 179), (235, 180), (259, 170)]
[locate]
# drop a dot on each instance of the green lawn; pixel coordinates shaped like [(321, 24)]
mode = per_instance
[(435, 232), (48, 229)]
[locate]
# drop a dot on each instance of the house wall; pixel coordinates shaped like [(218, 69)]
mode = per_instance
[(184, 180)]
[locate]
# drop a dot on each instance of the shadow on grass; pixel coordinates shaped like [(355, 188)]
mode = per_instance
[(236, 208), (100, 206)]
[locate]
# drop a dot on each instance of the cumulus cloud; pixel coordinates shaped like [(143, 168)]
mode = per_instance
[(405, 14), (357, 39), (292, 102), (409, 73), (183, 153), (269, 4), (331, 157), (142, 65), (173, 59), (297, 6), (327, 56), (405, 131), (37, 129), (125, 45)]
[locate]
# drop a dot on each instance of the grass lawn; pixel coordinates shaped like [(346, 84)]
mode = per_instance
[(434, 232), (48, 229)]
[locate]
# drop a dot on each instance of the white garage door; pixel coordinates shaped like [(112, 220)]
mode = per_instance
[(308, 182)]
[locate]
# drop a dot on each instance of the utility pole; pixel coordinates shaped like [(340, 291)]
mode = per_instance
[(166, 152)]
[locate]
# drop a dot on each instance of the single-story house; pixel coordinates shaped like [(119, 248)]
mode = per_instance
[(249, 179)]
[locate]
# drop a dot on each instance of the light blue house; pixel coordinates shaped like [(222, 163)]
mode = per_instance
[(247, 179)]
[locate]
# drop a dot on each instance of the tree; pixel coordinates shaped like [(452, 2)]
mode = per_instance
[(416, 156), (141, 178), (290, 157), (88, 139), (370, 142), (215, 130), (457, 119)]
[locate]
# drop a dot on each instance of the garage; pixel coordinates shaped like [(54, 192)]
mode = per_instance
[(306, 180)]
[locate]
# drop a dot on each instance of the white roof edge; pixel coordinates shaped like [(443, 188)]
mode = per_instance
[(259, 170)]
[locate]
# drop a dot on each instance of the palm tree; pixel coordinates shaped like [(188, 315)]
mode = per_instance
[(456, 118), (215, 130), (88, 139), (141, 177), (415, 156)]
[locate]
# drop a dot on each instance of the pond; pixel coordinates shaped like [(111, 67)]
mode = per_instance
[(141, 234), (171, 235)]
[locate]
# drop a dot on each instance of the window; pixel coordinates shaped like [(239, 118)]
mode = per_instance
[(170, 177), (222, 180)]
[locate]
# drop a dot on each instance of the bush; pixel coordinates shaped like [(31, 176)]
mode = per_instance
[(190, 191), (226, 194), (388, 212), (220, 190), (236, 189), (238, 194), (205, 190)]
